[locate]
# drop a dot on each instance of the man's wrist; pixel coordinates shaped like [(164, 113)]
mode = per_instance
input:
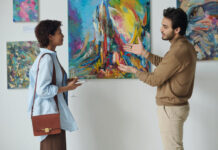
[(134, 70)]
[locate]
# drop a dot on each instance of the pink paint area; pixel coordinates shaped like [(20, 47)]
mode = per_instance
[(26, 7), (208, 22), (32, 6), (119, 19)]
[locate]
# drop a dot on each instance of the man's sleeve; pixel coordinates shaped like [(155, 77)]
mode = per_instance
[(167, 68), (154, 59)]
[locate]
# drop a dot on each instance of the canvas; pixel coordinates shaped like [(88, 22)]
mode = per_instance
[(25, 10), (20, 57), (97, 31), (202, 28)]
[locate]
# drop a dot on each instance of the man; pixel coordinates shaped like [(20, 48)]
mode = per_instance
[(173, 76)]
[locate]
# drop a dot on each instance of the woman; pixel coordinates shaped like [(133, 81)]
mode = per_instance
[(49, 36)]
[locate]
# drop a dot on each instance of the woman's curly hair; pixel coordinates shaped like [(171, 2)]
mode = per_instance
[(44, 29)]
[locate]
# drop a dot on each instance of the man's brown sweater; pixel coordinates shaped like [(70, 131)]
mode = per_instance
[(174, 74)]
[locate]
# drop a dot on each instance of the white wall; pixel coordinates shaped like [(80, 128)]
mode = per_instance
[(111, 114)]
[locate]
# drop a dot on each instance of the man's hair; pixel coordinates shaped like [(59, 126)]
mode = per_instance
[(44, 29), (178, 18)]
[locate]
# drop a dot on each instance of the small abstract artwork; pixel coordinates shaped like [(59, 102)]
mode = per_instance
[(25, 10), (97, 31), (202, 28), (20, 57)]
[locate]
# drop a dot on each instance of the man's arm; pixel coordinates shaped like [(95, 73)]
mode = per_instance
[(166, 69), (154, 59)]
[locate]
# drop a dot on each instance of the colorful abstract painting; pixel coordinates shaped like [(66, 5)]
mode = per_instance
[(202, 28), (97, 31), (25, 10), (20, 57)]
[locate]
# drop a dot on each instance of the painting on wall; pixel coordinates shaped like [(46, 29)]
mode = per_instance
[(20, 57), (97, 31), (25, 10), (202, 28)]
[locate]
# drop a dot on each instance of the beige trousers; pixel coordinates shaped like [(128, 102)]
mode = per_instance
[(171, 120)]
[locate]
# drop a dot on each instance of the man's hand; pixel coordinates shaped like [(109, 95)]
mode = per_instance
[(137, 49), (128, 69)]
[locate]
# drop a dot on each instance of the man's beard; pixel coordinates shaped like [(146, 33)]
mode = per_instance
[(169, 37)]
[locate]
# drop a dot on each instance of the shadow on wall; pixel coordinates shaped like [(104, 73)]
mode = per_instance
[(204, 102), (113, 120)]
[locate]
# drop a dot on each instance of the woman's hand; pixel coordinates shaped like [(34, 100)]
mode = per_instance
[(70, 79), (72, 84)]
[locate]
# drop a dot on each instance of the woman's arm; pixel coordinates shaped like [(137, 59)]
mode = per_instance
[(44, 87)]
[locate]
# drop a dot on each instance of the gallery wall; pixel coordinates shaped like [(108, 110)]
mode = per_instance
[(111, 114)]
